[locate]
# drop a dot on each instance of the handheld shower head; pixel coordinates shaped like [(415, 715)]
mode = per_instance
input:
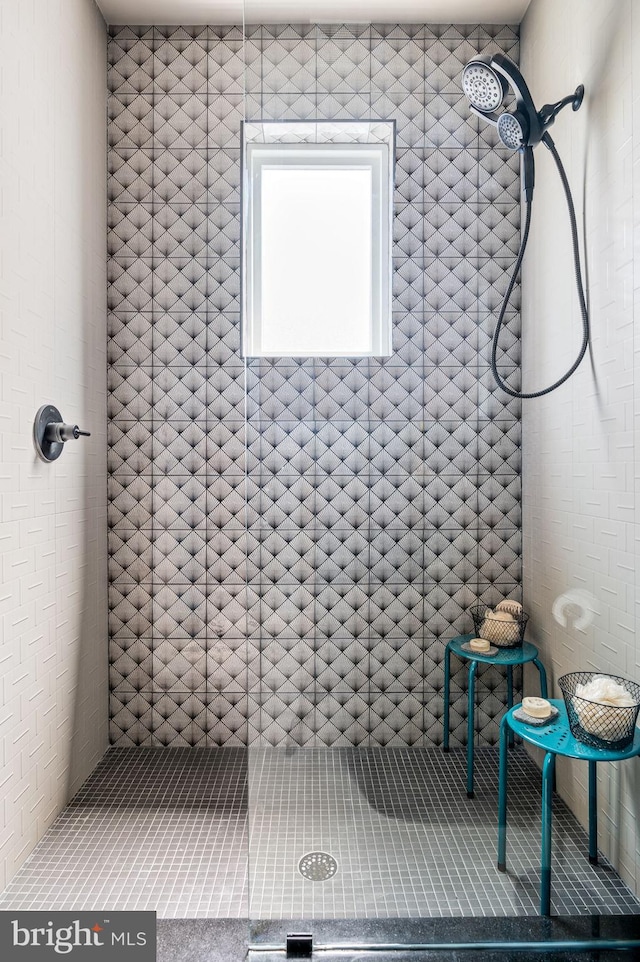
[(513, 129), (486, 82)]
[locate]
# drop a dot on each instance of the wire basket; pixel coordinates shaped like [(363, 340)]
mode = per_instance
[(596, 724), (495, 628)]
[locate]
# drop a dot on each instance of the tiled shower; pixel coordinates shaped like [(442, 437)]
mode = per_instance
[(293, 541)]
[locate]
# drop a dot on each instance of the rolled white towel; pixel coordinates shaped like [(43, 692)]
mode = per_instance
[(512, 607)]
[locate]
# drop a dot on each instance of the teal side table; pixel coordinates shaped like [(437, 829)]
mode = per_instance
[(554, 738), (504, 656)]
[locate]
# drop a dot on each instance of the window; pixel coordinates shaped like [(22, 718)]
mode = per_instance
[(317, 248)]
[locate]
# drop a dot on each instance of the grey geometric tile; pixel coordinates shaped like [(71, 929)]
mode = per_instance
[(130, 502), (509, 344), (131, 610), (396, 663), (285, 65), (226, 720), (499, 554), (179, 555), (342, 105), (396, 719), (449, 124), (181, 176), (281, 106), (226, 66), (118, 33), (130, 447), (130, 65), (349, 32), (180, 65), (453, 177), (499, 175), (342, 664), (131, 175), (397, 64), (228, 611), (418, 33), (130, 340), (180, 720), (343, 65), (129, 229), (227, 561), (286, 666), (130, 398), (131, 121), (179, 608), (181, 34), (130, 719), (223, 118), (340, 516), (180, 340), (130, 284), (224, 224), (180, 395), (130, 665), (343, 719), (498, 500), (499, 445), (180, 121), (285, 719)]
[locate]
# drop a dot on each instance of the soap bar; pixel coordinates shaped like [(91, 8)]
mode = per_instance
[(479, 644), (537, 707)]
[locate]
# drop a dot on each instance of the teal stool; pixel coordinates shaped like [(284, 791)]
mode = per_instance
[(554, 738), (504, 656)]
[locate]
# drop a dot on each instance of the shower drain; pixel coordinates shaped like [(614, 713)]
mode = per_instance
[(317, 866)]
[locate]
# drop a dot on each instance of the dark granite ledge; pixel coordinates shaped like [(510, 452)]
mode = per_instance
[(226, 940)]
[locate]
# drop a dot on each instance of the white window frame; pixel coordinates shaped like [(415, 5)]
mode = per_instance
[(375, 157)]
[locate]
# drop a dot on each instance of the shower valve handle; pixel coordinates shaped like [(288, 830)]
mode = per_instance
[(50, 433), (58, 431)]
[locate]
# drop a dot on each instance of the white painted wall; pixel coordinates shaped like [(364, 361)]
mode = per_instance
[(53, 612), (312, 11), (582, 443)]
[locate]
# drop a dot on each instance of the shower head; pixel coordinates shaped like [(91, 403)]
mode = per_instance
[(486, 82), (484, 87)]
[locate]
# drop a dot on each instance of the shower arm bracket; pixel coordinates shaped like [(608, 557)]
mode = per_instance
[(549, 112), (546, 115)]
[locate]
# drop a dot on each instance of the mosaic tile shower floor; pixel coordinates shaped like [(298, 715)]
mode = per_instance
[(166, 829)]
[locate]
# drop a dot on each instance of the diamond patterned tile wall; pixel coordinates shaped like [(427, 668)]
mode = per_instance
[(293, 541)]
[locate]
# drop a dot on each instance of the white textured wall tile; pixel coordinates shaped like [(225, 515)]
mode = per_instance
[(580, 474), (53, 648)]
